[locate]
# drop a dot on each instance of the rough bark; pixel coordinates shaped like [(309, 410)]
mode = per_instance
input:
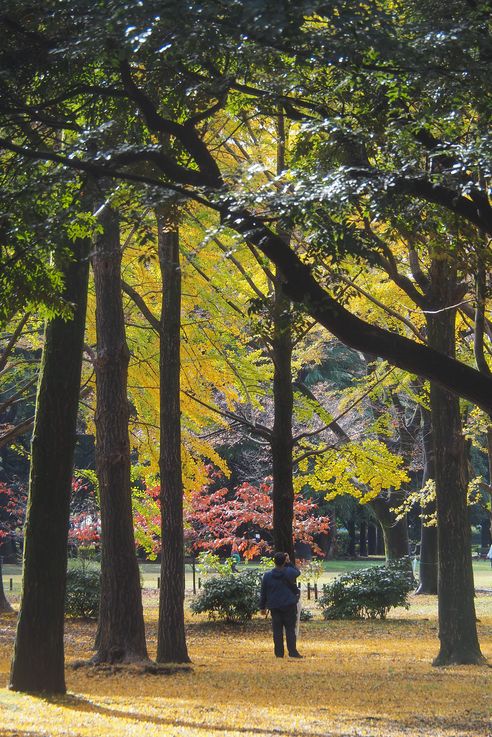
[(171, 641), (457, 620), (428, 534), (281, 439), (121, 634), (38, 659)]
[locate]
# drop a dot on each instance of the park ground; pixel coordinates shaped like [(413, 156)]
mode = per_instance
[(364, 678)]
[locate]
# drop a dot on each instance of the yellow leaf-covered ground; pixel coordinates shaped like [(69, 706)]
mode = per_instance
[(357, 678)]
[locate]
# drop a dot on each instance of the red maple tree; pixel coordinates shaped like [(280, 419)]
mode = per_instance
[(84, 516), (242, 519)]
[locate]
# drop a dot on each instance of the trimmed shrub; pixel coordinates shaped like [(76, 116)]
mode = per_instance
[(368, 592), (233, 598), (82, 593), (306, 615)]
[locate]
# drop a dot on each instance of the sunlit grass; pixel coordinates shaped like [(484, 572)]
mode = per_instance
[(151, 572)]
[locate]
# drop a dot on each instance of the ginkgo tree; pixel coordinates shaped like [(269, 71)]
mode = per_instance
[(170, 82)]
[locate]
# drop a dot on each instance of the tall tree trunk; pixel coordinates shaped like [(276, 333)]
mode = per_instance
[(489, 453), (363, 539), (4, 603), (395, 533), (281, 440), (428, 534), (171, 641), (379, 540), (121, 634), (38, 659), (485, 534), (457, 620), (351, 534), (371, 539)]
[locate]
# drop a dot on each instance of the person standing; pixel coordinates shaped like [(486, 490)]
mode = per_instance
[(280, 594)]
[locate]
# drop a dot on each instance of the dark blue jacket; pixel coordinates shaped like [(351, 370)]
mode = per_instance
[(278, 587)]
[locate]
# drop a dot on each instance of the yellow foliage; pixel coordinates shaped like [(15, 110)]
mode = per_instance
[(361, 469)]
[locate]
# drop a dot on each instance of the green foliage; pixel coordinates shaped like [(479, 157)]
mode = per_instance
[(233, 597), (209, 564), (88, 552), (362, 469), (82, 592), (266, 564), (306, 615), (311, 570), (342, 542), (368, 592)]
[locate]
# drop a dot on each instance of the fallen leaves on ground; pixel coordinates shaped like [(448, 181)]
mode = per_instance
[(365, 679)]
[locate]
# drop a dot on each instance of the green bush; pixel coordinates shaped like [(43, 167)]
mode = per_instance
[(368, 592), (88, 552), (233, 598), (209, 564), (306, 615), (82, 592)]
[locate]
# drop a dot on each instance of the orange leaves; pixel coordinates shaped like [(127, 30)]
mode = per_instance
[(242, 518)]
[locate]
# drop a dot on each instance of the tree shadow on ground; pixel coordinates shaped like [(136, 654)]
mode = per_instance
[(414, 727), (79, 703)]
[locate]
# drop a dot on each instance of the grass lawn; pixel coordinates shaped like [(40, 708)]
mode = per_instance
[(151, 572), (365, 678)]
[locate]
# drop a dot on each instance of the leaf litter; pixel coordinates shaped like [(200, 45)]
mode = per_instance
[(366, 678)]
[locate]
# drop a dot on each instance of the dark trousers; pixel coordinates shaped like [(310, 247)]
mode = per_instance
[(284, 618)]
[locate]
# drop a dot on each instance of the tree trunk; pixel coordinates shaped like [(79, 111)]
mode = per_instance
[(395, 533), (371, 539), (363, 539), (457, 620), (489, 454), (428, 534), (428, 566), (301, 286), (485, 536), (121, 634), (38, 659), (171, 642), (351, 534), (379, 540), (281, 440), (4, 603)]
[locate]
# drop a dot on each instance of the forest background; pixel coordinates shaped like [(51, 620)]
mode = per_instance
[(286, 210)]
